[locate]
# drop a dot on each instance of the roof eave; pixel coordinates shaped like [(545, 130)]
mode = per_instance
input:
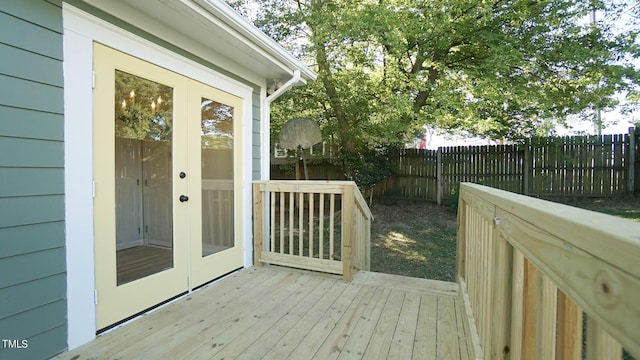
[(243, 27)]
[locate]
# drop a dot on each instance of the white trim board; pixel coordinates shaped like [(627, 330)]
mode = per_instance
[(80, 31)]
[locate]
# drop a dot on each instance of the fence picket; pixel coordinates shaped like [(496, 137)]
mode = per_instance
[(578, 166)]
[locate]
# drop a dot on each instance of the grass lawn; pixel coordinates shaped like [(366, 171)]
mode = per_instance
[(628, 208), (414, 240)]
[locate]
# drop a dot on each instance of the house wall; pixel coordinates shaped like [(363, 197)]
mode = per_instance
[(32, 243), (83, 25)]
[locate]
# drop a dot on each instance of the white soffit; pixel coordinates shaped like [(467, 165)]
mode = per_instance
[(212, 30)]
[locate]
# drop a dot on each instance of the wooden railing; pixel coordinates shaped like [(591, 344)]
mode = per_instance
[(315, 225), (528, 269)]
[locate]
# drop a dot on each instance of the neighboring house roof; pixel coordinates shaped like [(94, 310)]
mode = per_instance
[(211, 25)]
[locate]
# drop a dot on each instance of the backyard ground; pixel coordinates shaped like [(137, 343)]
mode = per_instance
[(419, 240), (416, 240)]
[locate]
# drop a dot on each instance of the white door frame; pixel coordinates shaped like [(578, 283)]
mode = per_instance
[(80, 31)]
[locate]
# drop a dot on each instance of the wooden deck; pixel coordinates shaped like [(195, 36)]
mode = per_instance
[(280, 313)]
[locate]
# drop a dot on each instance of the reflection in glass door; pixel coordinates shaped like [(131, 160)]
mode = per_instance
[(214, 140), (217, 176), (143, 186), (166, 172)]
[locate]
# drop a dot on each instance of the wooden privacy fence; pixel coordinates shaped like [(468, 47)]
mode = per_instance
[(594, 166), (529, 268), (315, 225)]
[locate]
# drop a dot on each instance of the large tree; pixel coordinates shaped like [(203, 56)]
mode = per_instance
[(501, 68)]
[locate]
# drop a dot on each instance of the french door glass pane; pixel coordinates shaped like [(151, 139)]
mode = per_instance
[(143, 162), (217, 176)]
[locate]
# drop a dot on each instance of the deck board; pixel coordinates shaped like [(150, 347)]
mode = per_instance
[(426, 334), (382, 335), (279, 313)]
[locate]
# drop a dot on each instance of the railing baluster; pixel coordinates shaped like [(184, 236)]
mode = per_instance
[(272, 218), (311, 224), (503, 258), (321, 227), (600, 345), (291, 223), (517, 307), (569, 343), (282, 206), (300, 223), (332, 213), (529, 327), (546, 330)]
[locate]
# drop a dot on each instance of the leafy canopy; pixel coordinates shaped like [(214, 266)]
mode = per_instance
[(500, 68)]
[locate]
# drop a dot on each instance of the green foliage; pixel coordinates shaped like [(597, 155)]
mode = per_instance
[(144, 109), (508, 69), (216, 125), (455, 198), (366, 168)]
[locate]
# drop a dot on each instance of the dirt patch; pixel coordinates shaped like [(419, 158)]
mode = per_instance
[(414, 240)]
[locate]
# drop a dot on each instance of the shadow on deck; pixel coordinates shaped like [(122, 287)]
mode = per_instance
[(280, 313)]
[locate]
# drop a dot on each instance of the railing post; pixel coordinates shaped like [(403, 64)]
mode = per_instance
[(258, 224), (348, 204), (367, 244), (461, 243)]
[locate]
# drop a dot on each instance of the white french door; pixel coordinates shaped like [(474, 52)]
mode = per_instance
[(167, 184)]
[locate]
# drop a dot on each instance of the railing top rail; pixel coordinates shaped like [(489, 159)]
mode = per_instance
[(591, 257), (362, 203), (316, 186), (580, 228)]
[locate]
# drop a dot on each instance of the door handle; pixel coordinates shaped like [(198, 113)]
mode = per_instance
[(184, 198)]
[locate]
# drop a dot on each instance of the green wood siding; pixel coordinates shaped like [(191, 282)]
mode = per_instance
[(26, 35), (31, 152), (32, 259), (26, 210), (26, 65), (27, 123), (34, 295), (29, 181), (26, 94), (18, 240)]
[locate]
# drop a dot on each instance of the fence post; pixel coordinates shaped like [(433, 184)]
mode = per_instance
[(526, 169), (439, 176), (631, 186), (258, 224)]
